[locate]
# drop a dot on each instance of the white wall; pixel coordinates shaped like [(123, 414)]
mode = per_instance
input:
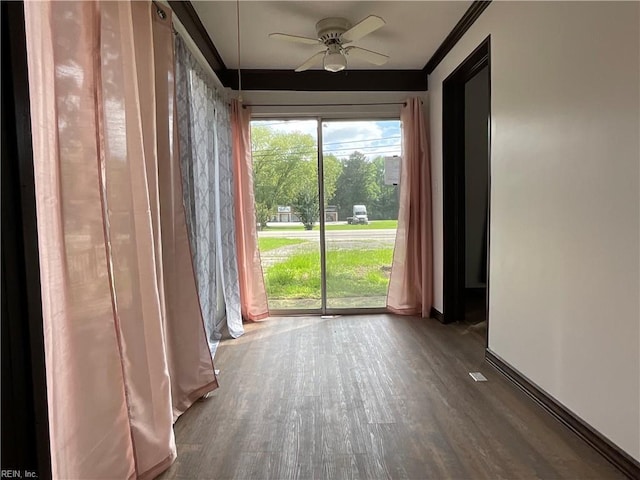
[(565, 206)]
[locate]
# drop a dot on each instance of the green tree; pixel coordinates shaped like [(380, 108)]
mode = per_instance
[(263, 214), (332, 168), (305, 206), (280, 161), (285, 165), (356, 185)]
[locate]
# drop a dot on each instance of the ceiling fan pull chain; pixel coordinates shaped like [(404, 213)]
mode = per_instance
[(239, 69)]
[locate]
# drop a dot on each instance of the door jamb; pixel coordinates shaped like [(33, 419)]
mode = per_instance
[(454, 181)]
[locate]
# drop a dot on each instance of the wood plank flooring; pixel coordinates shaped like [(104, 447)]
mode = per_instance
[(369, 397)]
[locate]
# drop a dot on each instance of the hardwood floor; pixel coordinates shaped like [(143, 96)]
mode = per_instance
[(370, 397)]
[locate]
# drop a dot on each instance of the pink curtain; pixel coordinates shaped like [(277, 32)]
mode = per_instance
[(124, 338), (253, 296), (411, 284)]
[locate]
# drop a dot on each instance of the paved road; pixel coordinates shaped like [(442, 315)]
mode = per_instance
[(336, 239), (387, 235)]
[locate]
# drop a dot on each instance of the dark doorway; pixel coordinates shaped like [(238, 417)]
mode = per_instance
[(466, 161)]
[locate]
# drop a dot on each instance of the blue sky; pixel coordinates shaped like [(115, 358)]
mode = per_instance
[(373, 138)]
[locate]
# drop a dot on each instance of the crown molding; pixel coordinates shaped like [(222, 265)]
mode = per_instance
[(468, 19), (192, 23)]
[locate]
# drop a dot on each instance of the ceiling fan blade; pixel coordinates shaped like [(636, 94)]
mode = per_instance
[(314, 60), (365, 27), (367, 55), (294, 38)]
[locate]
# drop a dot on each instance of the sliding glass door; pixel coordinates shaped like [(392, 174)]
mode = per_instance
[(360, 211), (285, 176), (327, 210)]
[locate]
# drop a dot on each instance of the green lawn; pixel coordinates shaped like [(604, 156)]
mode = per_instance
[(350, 273), (373, 225), (266, 244), (286, 228)]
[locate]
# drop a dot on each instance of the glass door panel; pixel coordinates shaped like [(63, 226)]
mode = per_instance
[(360, 211), (285, 176)]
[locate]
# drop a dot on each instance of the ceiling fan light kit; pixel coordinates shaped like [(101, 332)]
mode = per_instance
[(334, 60), (334, 33)]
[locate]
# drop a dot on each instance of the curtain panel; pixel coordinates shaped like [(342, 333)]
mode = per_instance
[(125, 346), (252, 290), (204, 128), (411, 283)]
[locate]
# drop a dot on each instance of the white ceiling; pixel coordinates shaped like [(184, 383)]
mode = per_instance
[(413, 32)]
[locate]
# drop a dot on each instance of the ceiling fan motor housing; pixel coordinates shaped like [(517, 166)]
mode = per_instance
[(329, 30)]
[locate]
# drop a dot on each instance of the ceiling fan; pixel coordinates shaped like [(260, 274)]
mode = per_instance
[(334, 33)]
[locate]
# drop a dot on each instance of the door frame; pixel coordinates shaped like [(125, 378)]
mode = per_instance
[(453, 180)]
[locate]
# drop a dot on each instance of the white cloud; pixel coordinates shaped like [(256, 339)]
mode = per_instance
[(289, 126), (373, 138), (341, 138)]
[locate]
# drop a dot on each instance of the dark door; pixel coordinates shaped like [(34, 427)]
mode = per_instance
[(466, 167)]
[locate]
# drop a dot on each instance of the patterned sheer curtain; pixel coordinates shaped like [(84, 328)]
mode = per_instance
[(204, 129)]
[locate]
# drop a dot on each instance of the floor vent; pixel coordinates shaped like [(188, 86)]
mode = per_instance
[(478, 377)]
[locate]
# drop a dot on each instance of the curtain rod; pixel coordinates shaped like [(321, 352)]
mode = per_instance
[(324, 104)]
